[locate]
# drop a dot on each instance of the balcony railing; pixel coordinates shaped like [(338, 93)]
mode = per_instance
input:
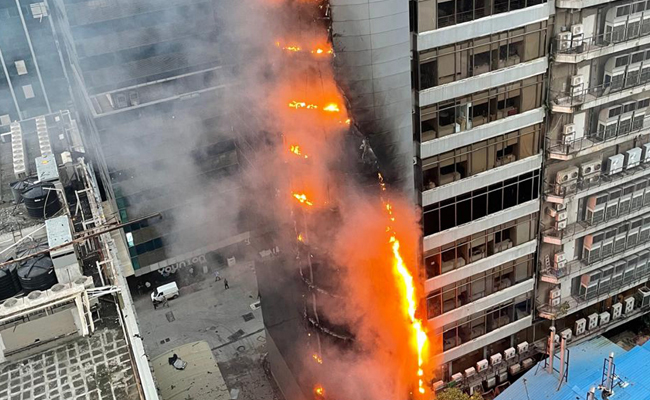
[(597, 43), (559, 146), (579, 265), (575, 97), (565, 190)]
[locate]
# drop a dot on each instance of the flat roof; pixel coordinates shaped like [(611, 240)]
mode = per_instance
[(201, 378), (586, 361), (92, 367)]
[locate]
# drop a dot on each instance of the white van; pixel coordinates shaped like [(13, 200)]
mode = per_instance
[(169, 290)]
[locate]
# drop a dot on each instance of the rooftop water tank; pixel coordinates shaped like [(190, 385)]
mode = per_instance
[(9, 283), (41, 200), (37, 273)]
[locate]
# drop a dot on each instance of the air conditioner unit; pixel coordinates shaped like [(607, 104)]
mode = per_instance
[(503, 376), (567, 175), (560, 225), (561, 216), (509, 353), (559, 258), (580, 326), (567, 334), (457, 377), (604, 318), (596, 208), (555, 293), (555, 302), (633, 157), (617, 310), (491, 382), (469, 372), (527, 363), (577, 29), (438, 386), (591, 180), (592, 321), (522, 348), (615, 164), (566, 189), (514, 369), (643, 297), (590, 167), (564, 40), (646, 153), (495, 359), (628, 305), (481, 366), (560, 206), (568, 134), (577, 80)]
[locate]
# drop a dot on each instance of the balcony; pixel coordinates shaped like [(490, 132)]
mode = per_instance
[(579, 4), (559, 193), (578, 267), (561, 150), (575, 303), (568, 102), (568, 51), (581, 228)]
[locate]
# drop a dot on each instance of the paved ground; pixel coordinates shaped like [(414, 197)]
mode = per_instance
[(207, 311), (92, 368)]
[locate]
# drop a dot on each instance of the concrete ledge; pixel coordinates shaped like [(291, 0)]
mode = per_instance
[(479, 266), (484, 26), (482, 341), (481, 82), (434, 147), (482, 179), (481, 224)]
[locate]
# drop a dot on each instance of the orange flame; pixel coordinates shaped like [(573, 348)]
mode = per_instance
[(303, 198), (301, 104), (317, 358), (407, 287), (300, 237), (296, 150), (319, 390), (332, 108)]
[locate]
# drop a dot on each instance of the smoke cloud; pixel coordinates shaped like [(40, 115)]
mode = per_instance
[(314, 180)]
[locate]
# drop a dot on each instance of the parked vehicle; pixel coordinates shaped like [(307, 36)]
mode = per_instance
[(168, 291)]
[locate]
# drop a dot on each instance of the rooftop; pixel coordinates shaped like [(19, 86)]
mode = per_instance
[(585, 371), (96, 367)]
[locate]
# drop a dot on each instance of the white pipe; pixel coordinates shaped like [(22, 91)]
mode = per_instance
[(562, 351), (610, 373), (592, 394)]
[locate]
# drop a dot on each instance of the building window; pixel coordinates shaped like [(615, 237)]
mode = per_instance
[(452, 12), (462, 114), (481, 55), (466, 329), (478, 286), (480, 157), (468, 207), (478, 246)]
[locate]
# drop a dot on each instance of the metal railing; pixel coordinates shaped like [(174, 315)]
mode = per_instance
[(576, 266), (594, 43), (576, 97), (613, 290), (558, 146), (553, 189)]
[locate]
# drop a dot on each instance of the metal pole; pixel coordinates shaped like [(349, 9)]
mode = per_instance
[(562, 360), (31, 49), (592, 394), (610, 373), (551, 350)]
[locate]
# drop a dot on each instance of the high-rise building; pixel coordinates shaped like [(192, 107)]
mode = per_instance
[(32, 79), (596, 216), (479, 84), (148, 78)]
